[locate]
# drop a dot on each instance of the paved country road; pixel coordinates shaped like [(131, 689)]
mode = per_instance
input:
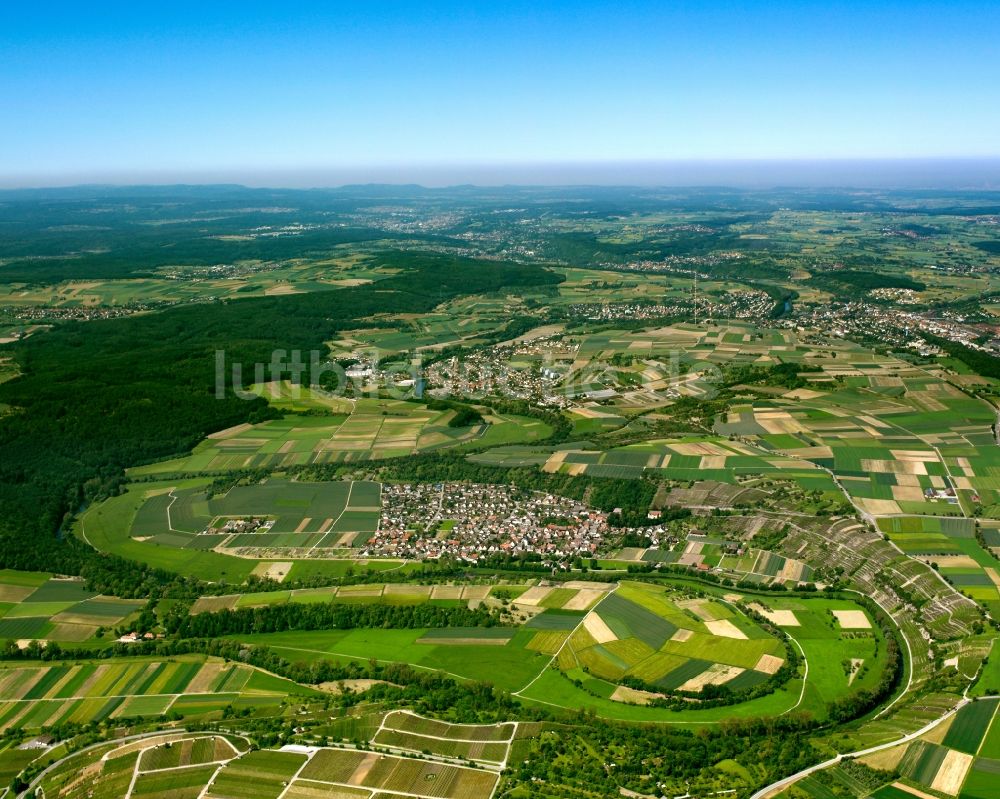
[(776, 787)]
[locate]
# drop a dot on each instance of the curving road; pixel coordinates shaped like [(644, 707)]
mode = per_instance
[(776, 787)]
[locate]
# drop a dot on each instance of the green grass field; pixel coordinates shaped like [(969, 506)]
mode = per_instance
[(970, 726)]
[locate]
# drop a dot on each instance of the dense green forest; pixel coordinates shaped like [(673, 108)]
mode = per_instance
[(982, 363), (98, 397), (862, 281)]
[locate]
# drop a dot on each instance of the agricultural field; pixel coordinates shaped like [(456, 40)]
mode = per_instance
[(884, 428), (156, 767), (728, 552), (686, 459), (188, 283), (474, 742), (137, 525), (675, 643), (37, 696), (347, 432), (368, 593), (38, 606), (953, 546), (958, 758), (785, 496), (507, 662), (286, 515), (670, 643), (466, 321), (224, 766), (666, 638), (880, 424)]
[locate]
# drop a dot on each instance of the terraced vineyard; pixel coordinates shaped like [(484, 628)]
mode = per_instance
[(223, 767)]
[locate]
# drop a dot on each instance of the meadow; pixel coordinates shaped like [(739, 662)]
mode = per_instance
[(573, 658)]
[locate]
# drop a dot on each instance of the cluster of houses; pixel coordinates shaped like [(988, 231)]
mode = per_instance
[(251, 524), (899, 327), (528, 370), (470, 522), (737, 304), (134, 637), (947, 494)]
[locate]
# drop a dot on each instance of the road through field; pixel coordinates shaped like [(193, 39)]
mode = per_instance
[(181, 734), (775, 788)]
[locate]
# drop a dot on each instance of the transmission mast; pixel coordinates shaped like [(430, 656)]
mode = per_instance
[(695, 296)]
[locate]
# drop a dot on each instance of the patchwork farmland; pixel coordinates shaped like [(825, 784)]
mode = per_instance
[(669, 643), (685, 459), (274, 517), (350, 432), (38, 606), (598, 635), (958, 758), (757, 544), (35, 696)]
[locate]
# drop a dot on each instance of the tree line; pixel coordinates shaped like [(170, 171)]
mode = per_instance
[(95, 398), (328, 616)]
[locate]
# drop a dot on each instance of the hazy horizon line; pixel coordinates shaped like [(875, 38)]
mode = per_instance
[(946, 172)]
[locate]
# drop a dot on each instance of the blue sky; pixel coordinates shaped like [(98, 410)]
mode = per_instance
[(92, 89)]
